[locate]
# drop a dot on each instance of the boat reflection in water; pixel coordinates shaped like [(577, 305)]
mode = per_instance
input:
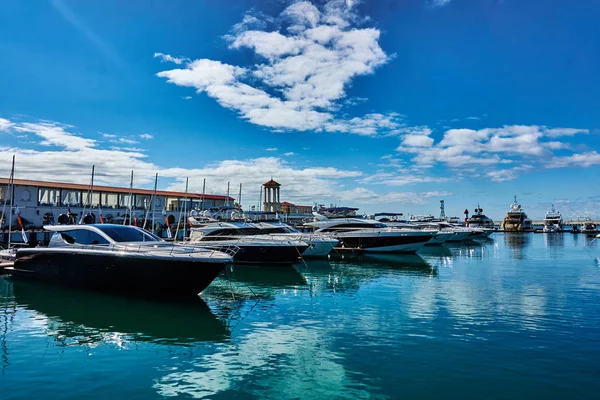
[(76, 317), (348, 274), (518, 243)]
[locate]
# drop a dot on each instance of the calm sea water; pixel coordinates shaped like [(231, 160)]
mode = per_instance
[(513, 317)]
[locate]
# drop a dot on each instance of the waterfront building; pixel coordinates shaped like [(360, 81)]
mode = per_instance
[(45, 203)]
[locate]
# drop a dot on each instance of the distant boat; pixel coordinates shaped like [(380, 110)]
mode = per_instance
[(516, 219), (479, 220), (553, 221)]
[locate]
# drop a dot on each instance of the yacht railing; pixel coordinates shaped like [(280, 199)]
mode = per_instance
[(146, 248)]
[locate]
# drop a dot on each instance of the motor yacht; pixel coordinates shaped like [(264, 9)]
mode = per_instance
[(438, 237), (516, 219), (589, 228), (553, 221), (122, 259), (369, 235), (255, 247), (318, 245), (480, 220)]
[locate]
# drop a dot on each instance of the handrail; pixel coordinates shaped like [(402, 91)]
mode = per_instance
[(174, 250)]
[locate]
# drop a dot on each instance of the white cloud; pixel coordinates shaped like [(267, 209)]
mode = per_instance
[(186, 97), (168, 58), (307, 66), (271, 149), (146, 136), (109, 135), (557, 132), (73, 155), (288, 154), (439, 3), (587, 159), (393, 179), (5, 124), (53, 134), (125, 141)]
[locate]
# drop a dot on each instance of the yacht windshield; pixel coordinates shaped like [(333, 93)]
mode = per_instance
[(128, 234)]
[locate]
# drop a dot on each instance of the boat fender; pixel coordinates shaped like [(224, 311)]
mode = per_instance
[(89, 219), (63, 219)]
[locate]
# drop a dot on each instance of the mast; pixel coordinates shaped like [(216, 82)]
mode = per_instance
[(11, 183), (151, 205), (88, 200), (260, 199), (203, 190), (184, 208), (227, 193), (130, 200), (153, 200), (240, 196)]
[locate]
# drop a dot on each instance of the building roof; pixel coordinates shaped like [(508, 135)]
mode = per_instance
[(112, 189), (285, 203), (271, 183)]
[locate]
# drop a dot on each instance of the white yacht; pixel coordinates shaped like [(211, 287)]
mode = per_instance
[(318, 245), (438, 236), (479, 220), (122, 259), (255, 247), (369, 235), (553, 221)]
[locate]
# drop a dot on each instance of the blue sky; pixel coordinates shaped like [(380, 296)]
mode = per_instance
[(384, 105)]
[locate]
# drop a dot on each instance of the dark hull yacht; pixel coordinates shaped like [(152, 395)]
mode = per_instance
[(120, 259)]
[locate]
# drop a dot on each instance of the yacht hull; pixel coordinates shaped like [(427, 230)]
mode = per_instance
[(249, 253), (123, 274), (381, 243)]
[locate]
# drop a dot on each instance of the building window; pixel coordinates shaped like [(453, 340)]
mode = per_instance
[(4, 194), (125, 200), (71, 198), (48, 197), (142, 201), (110, 200), (92, 201)]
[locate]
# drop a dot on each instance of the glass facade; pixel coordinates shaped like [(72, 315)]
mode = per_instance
[(71, 197), (48, 197)]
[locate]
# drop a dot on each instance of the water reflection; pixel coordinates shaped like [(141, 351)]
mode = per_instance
[(292, 361), (76, 317), (348, 274), (517, 243)]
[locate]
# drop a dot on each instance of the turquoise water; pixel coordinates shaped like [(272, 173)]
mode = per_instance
[(513, 317)]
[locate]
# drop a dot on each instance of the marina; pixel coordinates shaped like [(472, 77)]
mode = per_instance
[(516, 315)]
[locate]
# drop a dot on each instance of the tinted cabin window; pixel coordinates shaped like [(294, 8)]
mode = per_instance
[(127, 234), (82, 236), (349, 227)]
